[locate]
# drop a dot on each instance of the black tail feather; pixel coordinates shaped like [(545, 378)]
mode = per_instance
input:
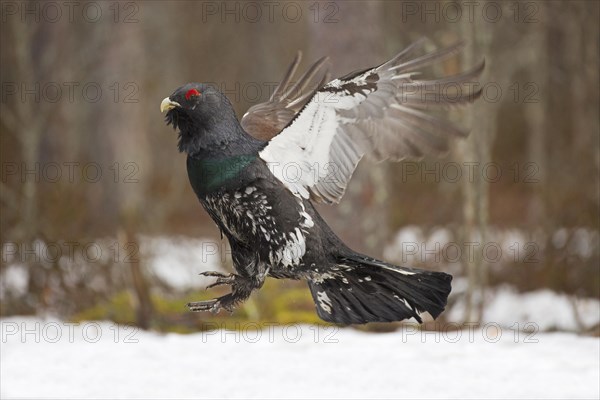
[(359, 289)]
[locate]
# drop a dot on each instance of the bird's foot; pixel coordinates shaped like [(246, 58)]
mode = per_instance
[(222, 279), (241, 289)]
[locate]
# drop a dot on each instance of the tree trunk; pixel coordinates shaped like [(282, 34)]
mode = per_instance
[(126, 129), (477, 150)]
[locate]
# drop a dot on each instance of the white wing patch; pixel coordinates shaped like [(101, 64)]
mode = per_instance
[(382, 111), (301, 157)]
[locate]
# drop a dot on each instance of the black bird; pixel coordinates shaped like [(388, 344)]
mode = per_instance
[(258, 179)]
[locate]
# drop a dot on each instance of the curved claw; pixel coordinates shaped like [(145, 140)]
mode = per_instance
[(223, 280), (219, 282), (212, 285)]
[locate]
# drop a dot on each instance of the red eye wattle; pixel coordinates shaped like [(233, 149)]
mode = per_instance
[(190, 93)]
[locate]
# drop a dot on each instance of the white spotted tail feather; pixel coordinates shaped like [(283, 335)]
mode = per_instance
[(359, 289), (384, 112)]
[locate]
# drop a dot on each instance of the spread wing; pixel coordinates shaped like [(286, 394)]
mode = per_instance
[(385, 111), (265, 120)]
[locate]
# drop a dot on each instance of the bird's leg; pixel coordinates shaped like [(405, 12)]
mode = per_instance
[(241, 287), (213, 305)]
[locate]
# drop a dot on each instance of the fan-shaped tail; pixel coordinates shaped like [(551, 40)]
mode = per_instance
[(359, 289)]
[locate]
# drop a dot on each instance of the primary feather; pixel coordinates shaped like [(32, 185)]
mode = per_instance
[(380, 111)]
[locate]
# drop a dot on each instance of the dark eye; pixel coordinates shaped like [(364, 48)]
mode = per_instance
[(191, 93)]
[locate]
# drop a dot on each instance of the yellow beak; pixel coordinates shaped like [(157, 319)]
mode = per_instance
[(168, 104)]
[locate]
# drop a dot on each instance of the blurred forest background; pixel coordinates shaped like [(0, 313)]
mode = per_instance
[(98, 220)]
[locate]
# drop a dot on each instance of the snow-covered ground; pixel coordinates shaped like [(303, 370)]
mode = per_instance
[(52, 359)]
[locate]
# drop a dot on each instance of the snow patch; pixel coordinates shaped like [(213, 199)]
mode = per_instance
[(546, 309), (15, 280), (178, 261), (329, 361)]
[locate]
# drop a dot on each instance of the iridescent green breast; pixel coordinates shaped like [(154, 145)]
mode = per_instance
[(208, 175)]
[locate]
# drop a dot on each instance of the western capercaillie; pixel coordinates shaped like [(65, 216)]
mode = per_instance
[(258, 178)]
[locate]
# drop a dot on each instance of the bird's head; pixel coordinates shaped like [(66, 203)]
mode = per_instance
[(203, 116)]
